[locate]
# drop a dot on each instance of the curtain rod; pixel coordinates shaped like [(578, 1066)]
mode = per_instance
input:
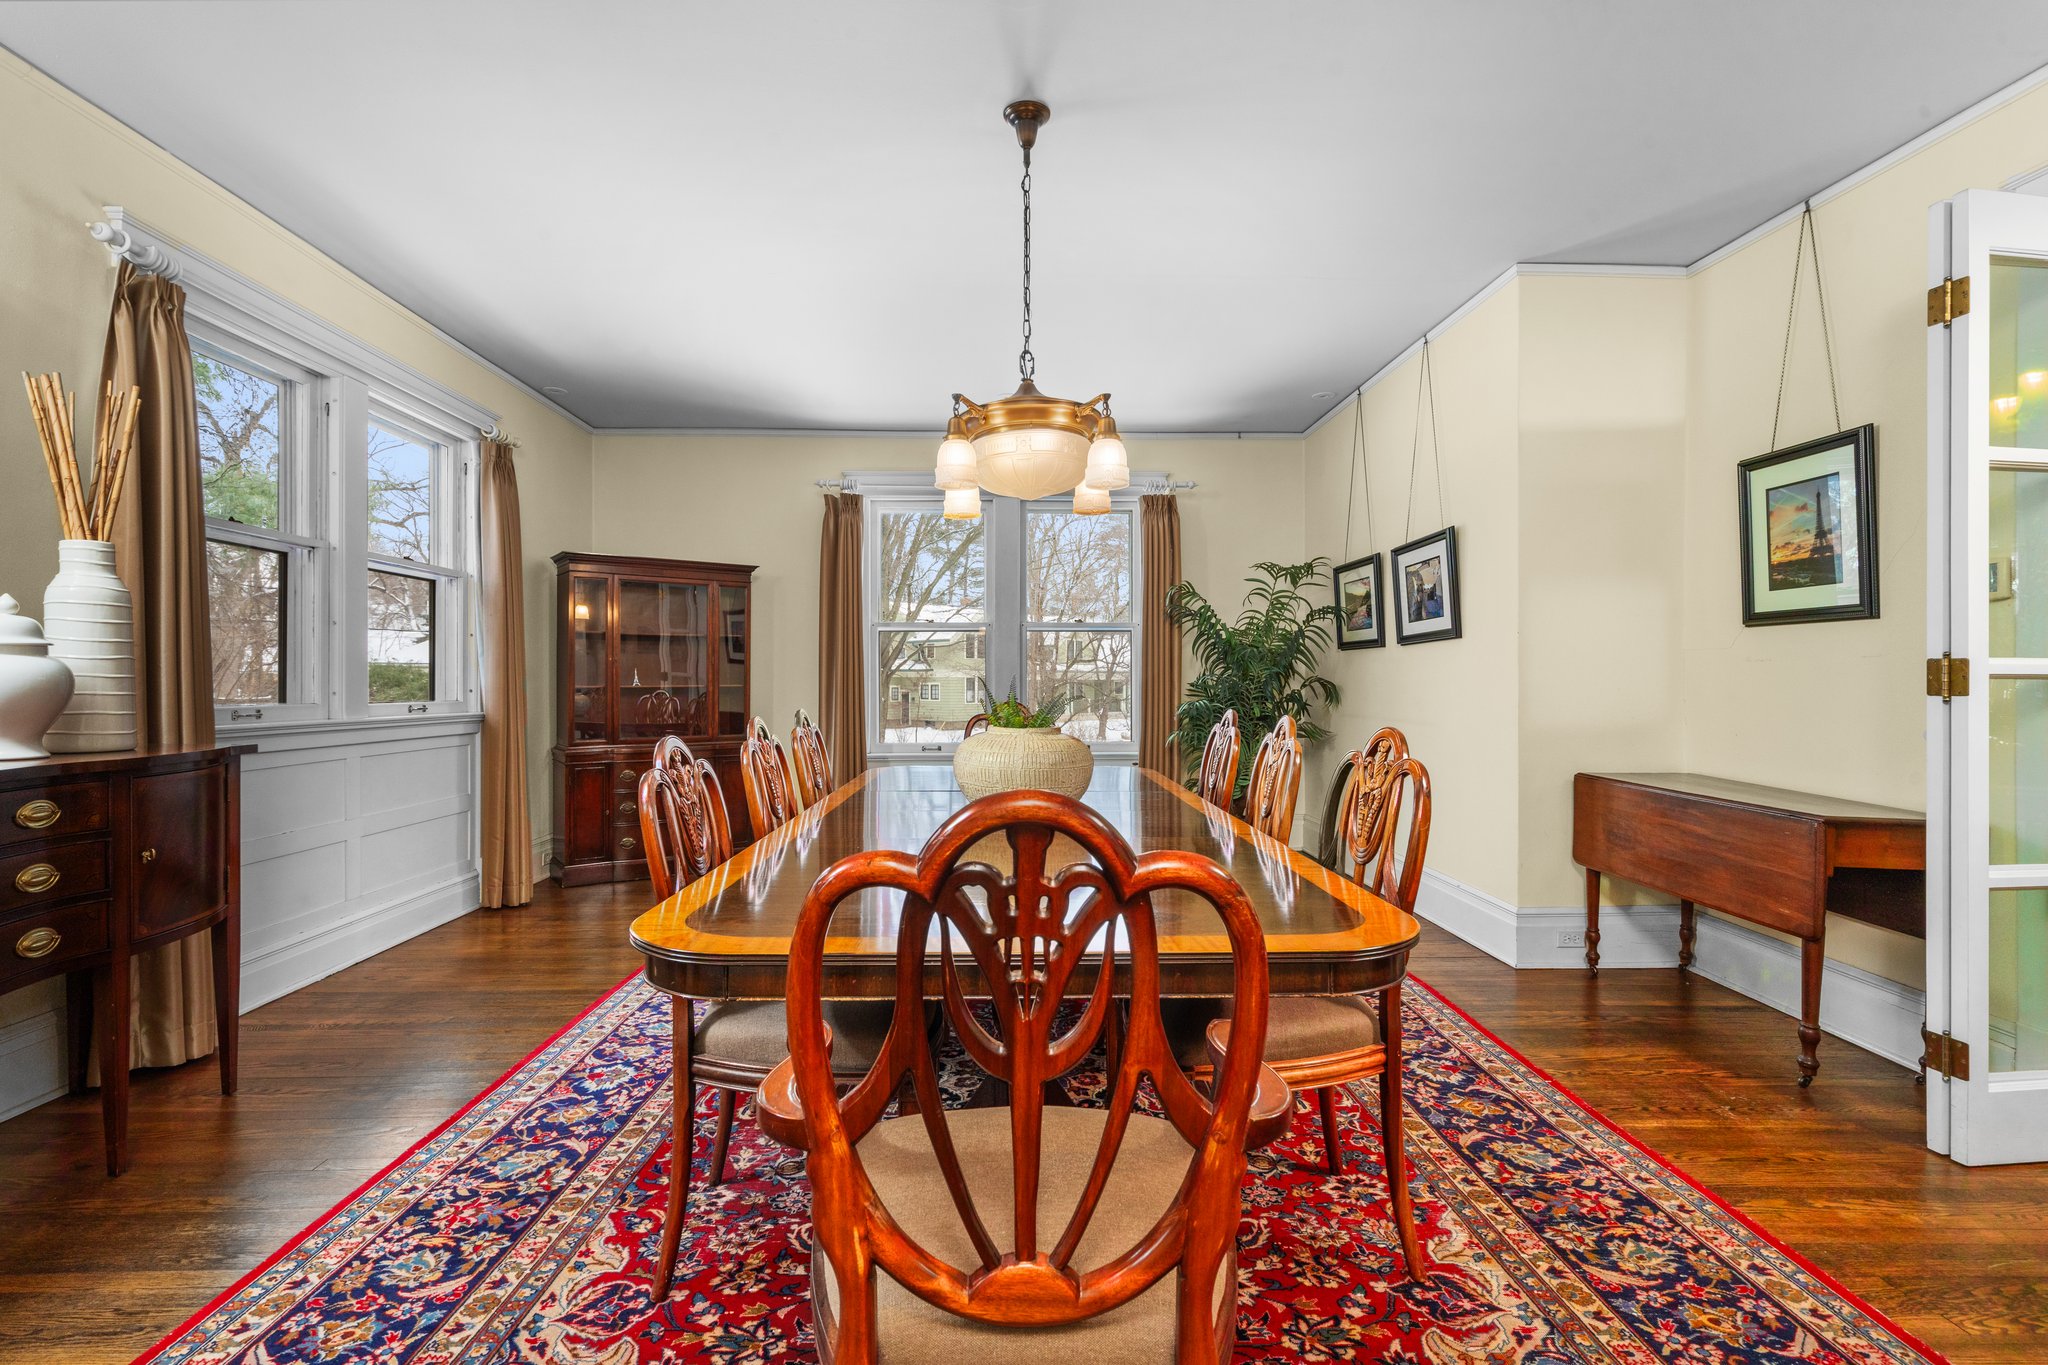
[(1149, 486)]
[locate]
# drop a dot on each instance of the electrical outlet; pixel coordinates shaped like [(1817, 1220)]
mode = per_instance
[(1571, 938)]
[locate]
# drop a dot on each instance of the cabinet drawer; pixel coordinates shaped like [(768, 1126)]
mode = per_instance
[(50, 812), (626, 780), (626, 844), (35, 943), (52, 874)]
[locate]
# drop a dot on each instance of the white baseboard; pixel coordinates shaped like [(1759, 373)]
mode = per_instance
[(31, 1062), (278, 972), (543, 847), (1486, 922), (1857, 1006)]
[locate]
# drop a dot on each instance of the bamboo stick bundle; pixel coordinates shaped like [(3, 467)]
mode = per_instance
[(55, 414)]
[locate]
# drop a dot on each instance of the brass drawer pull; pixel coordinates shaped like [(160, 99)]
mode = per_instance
[(629, 808), (628, 842), (37, 814), (35, 877), (38, 942), (626, 777)]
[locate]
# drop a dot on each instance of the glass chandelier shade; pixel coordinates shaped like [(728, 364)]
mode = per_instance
[(963, 504), (1030, 445), (1090, 501)]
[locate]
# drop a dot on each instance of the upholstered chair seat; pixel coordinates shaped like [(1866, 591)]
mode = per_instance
[(1150, 1165), (1296, 1026), (756, 1033)]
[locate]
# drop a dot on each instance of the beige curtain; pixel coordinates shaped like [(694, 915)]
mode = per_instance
[(842, 710), (507, 825), (160, 550), (1159, 524)]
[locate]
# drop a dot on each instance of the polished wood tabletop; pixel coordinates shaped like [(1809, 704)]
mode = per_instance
[(727, 934)]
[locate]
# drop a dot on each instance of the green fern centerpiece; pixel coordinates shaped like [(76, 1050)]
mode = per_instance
[(1261, 665)]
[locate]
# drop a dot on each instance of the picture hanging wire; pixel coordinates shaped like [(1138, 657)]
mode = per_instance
[(1358, 464), (1806, 229), (1425, 379)]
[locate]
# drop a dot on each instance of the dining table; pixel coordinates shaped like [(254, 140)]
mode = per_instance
[(726, 935)]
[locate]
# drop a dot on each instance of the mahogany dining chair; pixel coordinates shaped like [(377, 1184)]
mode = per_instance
[(771, 785), (1275, 782), (684, 824), (931, 1230), (812, 763), (1216, 779), (1318, 1042)]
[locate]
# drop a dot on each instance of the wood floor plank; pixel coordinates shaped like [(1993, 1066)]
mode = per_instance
[(340, 1078)]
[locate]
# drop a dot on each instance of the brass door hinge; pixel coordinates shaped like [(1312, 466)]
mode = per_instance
[(1948, 677), (1944, 1055), (1948, 301)]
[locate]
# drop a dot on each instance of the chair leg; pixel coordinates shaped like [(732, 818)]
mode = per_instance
[(719, 1143), (1393, 1140), (1333, 1153), (683, 1027)]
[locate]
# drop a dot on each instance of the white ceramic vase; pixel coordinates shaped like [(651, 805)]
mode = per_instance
[(1001, 760), (90, 622), (33, 686)]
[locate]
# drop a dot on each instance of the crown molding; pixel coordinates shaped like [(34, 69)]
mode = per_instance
[(925, 434)]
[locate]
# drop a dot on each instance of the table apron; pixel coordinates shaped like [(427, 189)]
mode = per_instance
[(874, 978)]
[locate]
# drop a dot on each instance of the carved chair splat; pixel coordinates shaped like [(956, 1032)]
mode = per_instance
[(1216, 779), (1024, 941), (812, 762), (1275, 784)]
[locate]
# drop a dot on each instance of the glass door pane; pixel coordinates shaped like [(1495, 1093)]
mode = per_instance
[(2019, 983), (2018, 358), (589, 617), (664, 659), (732, 660)]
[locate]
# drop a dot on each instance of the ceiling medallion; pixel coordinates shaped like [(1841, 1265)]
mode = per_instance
[(1030, 445)]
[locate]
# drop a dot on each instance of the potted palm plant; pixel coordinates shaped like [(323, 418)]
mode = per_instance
[(1261, 665), (1022, 748)]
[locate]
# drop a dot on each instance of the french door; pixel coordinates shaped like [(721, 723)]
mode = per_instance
[(1987, 709)]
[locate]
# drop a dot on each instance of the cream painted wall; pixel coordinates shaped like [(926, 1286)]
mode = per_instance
[(1601, 431), (1457, 699), (68, 158), (750, 499), (1835, 707)]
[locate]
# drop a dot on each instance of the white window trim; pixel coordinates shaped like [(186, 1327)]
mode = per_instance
[(350, 379), (905, 490)]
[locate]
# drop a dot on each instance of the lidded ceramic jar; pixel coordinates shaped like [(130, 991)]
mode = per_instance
[(34, 687)]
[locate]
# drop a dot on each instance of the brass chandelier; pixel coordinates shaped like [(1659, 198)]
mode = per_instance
[(1030, 445)]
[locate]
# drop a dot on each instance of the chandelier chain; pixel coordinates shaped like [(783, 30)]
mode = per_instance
[(1027, 364)]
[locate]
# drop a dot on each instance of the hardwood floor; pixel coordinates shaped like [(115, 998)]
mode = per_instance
[(341, 1077)]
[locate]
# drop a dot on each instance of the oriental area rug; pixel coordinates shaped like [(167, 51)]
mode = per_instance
[(525, 1230)]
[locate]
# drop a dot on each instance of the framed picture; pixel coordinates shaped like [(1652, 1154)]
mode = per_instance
[(734, 635), (1426, 588), (1809, 531), (1361, 619)]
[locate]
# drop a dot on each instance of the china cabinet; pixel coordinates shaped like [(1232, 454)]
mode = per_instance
[(646, 648)]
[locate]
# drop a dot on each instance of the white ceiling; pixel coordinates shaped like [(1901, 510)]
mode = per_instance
[(804, 215)]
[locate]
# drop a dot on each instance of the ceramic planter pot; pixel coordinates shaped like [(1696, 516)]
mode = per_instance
[(91, 627), (1002, 760), (33, 686)]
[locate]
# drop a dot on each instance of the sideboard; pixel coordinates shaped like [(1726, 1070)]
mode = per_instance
[(102, 857)]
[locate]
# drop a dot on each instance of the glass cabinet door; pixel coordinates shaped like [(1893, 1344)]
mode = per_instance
[(664, 659), (732, 660), (589, 618)]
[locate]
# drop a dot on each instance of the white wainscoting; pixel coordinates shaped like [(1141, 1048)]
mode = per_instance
[(354, 839), (1859, 1007)]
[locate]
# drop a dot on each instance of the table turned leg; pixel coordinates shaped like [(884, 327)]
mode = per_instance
[(1687, 926), (227, 998), (1592, 919), (682, 1031), (1812, 954), (77, 1027), (1393, 1135), (110, 998)]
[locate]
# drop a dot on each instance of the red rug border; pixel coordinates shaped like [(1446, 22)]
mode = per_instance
[(1439, 997), (443, 1126), (1738, 1215)]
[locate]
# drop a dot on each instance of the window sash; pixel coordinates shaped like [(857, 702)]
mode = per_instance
[(1004, 596)]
